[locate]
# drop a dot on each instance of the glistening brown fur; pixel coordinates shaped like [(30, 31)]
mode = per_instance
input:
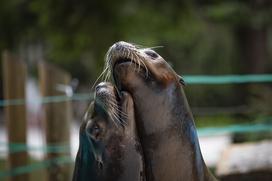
[(164, 120)]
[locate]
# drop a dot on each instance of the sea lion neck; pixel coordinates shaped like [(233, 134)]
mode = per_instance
[(153, 104), (166, 125)]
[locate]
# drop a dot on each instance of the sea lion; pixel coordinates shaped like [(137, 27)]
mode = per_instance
[(165, 123), (109, 149)]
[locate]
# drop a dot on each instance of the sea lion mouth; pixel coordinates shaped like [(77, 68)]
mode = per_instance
[(123, 53), (122, 61), (139, 65)]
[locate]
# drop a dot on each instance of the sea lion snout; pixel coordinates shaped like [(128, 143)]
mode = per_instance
[(104, 86), (144, 62), (121, 45), (104, 91), (101, 85), (120, 49)]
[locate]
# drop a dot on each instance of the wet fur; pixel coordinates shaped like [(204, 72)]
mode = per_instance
[(164, 120), (109, 149)]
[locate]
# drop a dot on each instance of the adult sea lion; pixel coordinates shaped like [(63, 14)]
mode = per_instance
[(109, 149), (165, 124)]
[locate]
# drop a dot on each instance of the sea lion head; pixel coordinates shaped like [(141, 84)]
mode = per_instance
[(104, 112), (150, 80), (109, 146), (128, 63), (164, 120), (105, 121)]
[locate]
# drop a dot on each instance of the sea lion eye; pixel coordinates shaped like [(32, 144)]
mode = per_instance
[(95, 131), (152, 54)]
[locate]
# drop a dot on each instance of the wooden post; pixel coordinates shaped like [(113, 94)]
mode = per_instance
[(14, 72), (57, 117)]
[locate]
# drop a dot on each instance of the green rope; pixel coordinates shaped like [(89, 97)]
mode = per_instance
[(48, 99), (207, 131), (20, 147), (35, 166), (189, 79), (238, 128), (210, 131), (227, 79)]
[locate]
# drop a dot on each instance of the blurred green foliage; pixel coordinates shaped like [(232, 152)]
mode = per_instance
[(198, 37)]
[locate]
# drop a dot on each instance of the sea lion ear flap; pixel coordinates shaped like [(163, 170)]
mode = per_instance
[(181, 80)]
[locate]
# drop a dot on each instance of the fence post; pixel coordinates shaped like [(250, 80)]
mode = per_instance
[(14, 80), (57, 117)]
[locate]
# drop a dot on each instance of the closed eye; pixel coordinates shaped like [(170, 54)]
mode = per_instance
[(151, 53)]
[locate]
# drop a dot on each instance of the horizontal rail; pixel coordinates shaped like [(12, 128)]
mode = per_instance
[(189, 79), (227, 79)]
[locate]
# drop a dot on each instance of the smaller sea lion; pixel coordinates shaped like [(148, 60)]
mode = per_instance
[(109, 149)]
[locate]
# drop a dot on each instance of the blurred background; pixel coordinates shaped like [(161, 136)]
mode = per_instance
[(53, 51)]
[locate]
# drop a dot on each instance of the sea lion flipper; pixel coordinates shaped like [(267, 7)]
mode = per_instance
[(127, 108)]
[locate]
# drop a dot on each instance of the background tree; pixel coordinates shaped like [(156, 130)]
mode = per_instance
[(198, 37)]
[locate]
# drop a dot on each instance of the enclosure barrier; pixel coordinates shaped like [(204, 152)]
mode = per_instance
[(61, 152), (189, 79), (62, 148), (15, 74)]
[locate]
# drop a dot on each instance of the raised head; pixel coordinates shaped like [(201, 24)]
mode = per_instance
[(109, 146)]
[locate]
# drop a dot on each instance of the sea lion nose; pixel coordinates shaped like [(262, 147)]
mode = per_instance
[(122, 45), (100, 86), (119, 45)]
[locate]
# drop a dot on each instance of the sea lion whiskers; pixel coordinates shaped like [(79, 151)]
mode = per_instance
[(145, 47), (139, 65), (107, 65), (105, 70), (115, 112), (135, 61), (102, 75), (114, 105), (105, 74), (117, 108), (117, 120), (130, 55), (154, 47), (116, 117), (112, 113), (136, 64), (142, 63), (110, 108)]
